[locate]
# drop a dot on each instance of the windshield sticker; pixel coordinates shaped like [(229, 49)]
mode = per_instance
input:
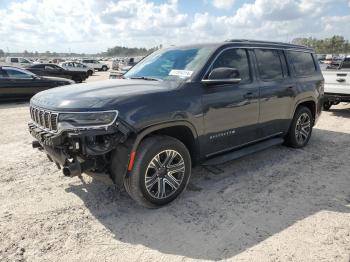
[(180, 73)]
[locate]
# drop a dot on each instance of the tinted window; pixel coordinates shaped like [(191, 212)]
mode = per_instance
[(37, 66), (269, 63), (14, 60), (303, 63), (346, 63), (12, 73), (235, 58)]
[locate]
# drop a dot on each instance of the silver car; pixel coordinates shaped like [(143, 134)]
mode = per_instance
[(76, 66)]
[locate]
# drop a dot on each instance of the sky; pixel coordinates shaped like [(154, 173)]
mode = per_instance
[(92, 26)]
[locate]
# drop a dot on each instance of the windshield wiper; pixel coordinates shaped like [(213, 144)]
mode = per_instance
[(146, 78)]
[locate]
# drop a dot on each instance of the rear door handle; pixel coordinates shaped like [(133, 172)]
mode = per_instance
[(340, 80)]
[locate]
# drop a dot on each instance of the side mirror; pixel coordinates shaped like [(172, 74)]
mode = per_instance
[(223, 75)]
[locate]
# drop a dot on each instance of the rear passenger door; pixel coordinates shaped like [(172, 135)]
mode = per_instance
[(277, 91)]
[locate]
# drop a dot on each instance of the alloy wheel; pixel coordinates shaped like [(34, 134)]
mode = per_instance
[(164, 174), (303, 128)]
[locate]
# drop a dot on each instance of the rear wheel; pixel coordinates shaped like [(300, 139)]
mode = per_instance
[(104, 68), (301, 128), (327, 106), (161, 171), (90, 72)]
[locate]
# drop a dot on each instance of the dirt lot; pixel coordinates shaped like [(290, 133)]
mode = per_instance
[(277, 205)]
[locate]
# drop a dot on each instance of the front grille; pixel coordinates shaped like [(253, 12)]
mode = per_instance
[(44, 119)]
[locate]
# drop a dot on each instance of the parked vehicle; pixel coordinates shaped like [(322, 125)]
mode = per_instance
[(337, 84), (93, 63), (179, 107), (76, 66), (18, 83), (56, 70), (118, 64), (18, 61)]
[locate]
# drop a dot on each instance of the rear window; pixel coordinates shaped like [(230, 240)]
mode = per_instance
[(303, 63), (269, 63), (14, 60)]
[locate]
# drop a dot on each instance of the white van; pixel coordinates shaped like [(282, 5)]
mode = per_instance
[(18, 61)]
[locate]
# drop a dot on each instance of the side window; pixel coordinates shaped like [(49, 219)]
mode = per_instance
[(303, 63), (346, 63), (38, 66), (269, 64), (24, 61), (17, 74), (14, 60), (235, 58)]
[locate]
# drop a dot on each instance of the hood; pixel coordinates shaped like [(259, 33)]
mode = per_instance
[(100, 95)]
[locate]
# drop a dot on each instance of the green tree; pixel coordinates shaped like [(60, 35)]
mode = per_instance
[(334, 45)]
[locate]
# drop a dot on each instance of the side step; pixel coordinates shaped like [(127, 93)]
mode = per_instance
[(243, 152)]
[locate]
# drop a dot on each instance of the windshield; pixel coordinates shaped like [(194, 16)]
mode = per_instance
[(171, 64)]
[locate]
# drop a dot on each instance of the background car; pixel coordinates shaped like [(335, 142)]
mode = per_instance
[(56, 70), (95, 64), (18, 61), (76, 66), (18, 83)]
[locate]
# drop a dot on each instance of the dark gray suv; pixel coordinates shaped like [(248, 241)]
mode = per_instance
[(179, 107)]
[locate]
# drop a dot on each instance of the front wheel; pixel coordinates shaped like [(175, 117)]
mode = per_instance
[(301, 128), (104, 68), (161, 171)]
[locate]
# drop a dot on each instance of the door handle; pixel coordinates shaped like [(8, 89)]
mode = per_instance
[(340, 80), (249, 95)]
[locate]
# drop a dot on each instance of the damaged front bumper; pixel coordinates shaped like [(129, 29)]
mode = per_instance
[(77, 150)]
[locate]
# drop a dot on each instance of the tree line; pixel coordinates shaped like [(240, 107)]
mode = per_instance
[(334, 45), (127, 51)]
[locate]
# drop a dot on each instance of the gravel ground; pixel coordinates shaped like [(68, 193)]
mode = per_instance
[(281, 204)]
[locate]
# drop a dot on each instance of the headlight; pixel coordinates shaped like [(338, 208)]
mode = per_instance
[(87, 119)]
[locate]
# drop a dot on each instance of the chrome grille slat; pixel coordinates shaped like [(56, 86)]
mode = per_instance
[(44, 119)]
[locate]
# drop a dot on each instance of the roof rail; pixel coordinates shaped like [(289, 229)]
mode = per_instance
[(265, 42)]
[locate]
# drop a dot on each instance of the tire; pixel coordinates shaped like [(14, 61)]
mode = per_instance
[(327, 106), (77, 79), (90, 72), (144, 168), (301, 128), (104, 68)]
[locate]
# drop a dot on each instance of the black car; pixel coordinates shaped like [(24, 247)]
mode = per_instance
[(17, 83), (56, 70), (179, 107)]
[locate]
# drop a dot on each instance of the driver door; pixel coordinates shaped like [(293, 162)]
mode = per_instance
[(231, 111)]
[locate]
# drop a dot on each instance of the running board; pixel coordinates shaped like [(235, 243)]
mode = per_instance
[(243, 152)]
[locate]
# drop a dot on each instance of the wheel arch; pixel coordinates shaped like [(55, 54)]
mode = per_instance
[(181, 130), (309, 103)]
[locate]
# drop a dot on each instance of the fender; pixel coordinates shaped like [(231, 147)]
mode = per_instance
[(125, 154)]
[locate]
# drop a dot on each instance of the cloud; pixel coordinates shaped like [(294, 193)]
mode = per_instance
[(223, 4), (92, 26)]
